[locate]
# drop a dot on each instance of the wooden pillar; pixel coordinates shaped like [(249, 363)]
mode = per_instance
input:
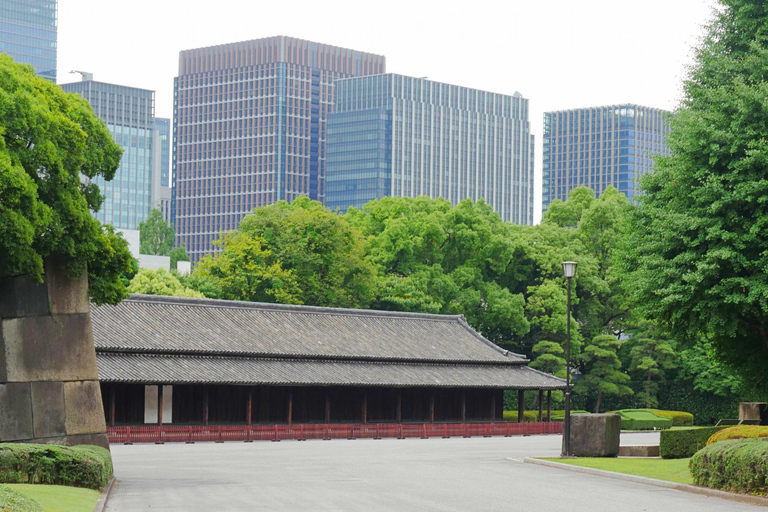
[(520, 405), (463, 405), (399, 408), (493, 405), (432, 406), (365, 406), (205, 405), (549, 405), (249, 407), (112, 405), (159, 404), (290, 406), (541, 403), (327, 405)]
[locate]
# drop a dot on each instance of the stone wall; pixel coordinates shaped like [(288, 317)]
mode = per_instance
[(49, 388)]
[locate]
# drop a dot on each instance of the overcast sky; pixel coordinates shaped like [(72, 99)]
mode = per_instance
[(559, 54)]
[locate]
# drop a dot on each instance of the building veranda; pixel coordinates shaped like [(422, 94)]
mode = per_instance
[(198, 362)]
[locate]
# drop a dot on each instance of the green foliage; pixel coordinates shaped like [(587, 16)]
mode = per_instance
[(738, 432), (177, 254), (738, 465), (683, 443), (642, 419), (604, 370), (52, 146), (549, 358), (698, 246), (160, 282), (679, 418), (650, 356), (77, 466), (700, 365), (155, 235), (12, 501), (528, 416), (706, 407)]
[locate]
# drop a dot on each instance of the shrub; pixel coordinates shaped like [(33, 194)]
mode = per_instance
[(76, 466), (683, 443), (739, 465), (528, 416), (738, 432), (12, 501), (679, 418), (642, 419)]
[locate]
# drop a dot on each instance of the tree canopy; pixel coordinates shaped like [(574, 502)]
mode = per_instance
[(52, 146)]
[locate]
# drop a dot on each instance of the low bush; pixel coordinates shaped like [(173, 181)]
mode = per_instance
[(12, 501), (679, 418), (532, 416), (642, 419), (739, 432), (683, 443), (738, 465), (76, 466)]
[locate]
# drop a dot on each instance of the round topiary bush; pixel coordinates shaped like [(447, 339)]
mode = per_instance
[(738, 432), (739, 465), (679, 418)]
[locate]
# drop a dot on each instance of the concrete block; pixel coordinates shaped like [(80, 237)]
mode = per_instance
[(21, 297), (49, 348), (595, 435), (65, 294), (16, 407), (753, 411), (48, 409), (84, 409)]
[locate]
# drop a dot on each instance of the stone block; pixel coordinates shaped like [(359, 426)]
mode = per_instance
[(21, 297), (753, 411), (49, 348), (16, 406), (48, 411), (97, 439), (66, 295), (639, 451), (595, 435), (84, 409)]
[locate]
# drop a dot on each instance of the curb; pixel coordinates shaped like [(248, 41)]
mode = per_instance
[(104, 496), (706, 491)]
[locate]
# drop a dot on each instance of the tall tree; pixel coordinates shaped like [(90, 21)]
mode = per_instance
[(603, 370), (651, 355), (160, 282), (155, 234), (52, 147), (699, 247)]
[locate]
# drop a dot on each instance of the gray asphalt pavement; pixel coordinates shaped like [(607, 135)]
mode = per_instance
[(455, 474)]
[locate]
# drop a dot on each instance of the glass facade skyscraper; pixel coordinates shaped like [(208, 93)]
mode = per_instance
[(250, 129), (28, 33), (600, 146), (393, 135), (129, 115)]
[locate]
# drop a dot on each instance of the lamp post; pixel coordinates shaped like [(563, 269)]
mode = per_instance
[(569, 270)]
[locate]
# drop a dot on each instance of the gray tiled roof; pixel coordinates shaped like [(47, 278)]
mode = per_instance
[(181, 369), (156, 324)]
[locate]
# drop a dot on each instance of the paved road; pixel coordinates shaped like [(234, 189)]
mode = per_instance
[(380, 475)]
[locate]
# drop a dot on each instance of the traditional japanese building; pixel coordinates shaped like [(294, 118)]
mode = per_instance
[(181, 361)]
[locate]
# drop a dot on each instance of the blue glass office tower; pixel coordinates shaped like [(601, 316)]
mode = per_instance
[(129, 115), (600, 146), (250, 129), (393, 135), (28, 30)]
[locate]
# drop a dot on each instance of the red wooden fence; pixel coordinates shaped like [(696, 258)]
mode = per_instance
[(190, 434)]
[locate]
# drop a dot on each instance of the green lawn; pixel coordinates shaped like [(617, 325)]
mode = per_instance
[(672, 470), (58, 498)]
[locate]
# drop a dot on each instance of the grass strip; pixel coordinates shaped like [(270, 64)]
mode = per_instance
[(58, 498), (671, 470)]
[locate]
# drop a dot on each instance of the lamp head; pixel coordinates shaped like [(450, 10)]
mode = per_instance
[(569, 269)]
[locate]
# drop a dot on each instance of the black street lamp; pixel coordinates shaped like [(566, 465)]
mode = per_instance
[(569, 270)]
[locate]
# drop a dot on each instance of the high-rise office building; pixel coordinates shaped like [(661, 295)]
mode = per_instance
[(250, 129), (163, 127), (393, 135), (28, 30), (129, 115), (600, 146)]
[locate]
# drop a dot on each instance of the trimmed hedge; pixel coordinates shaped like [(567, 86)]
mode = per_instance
[(12, 501), (76, 466), (683, 443), (641, 419), (738, 432), (738, 465), (679, 418), (533, 416)]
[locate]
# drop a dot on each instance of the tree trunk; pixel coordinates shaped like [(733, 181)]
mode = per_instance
[(599, 399)]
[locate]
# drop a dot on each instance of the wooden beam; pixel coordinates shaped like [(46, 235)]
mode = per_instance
[(249, 407), (463, 405), (205, 405), (541, 403), (365, 406), (520, 405), (290, 406), (159, 404), (549, 405), (399, 408), (112, 405)]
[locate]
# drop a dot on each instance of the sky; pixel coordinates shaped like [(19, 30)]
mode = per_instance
[(559, 54)]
